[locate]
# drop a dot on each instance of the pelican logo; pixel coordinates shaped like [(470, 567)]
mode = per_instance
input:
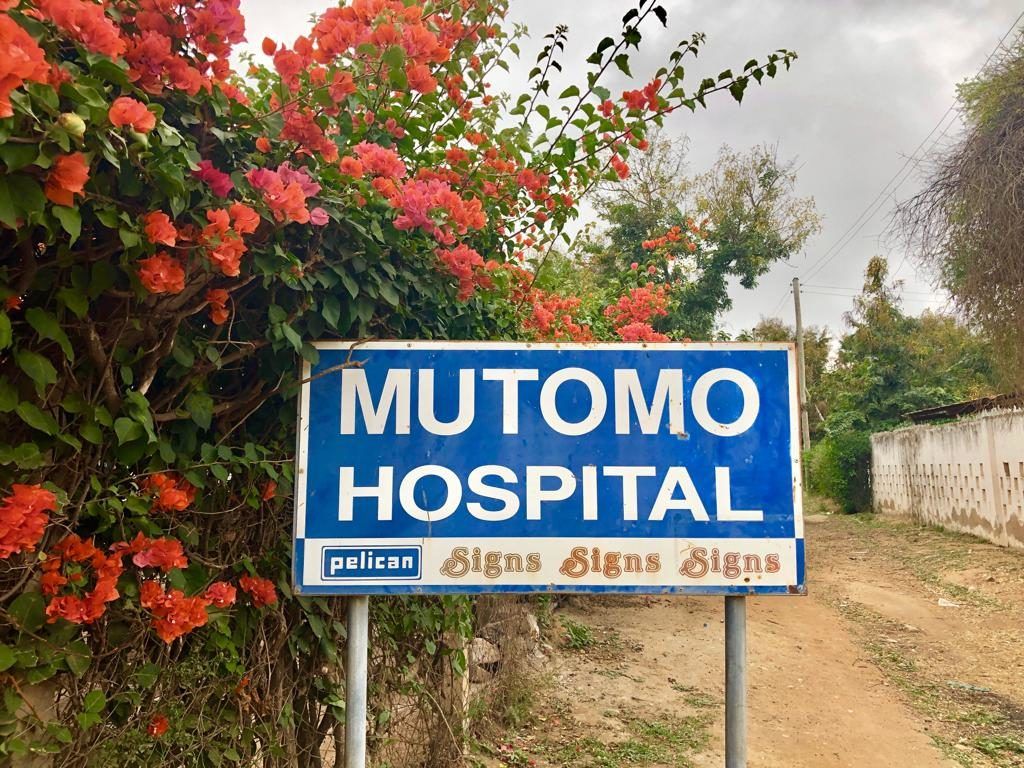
[(376, 563)]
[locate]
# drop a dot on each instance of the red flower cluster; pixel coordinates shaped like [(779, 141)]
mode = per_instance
[(21, 61), (261, 591), (159, 229), (468, 268), (647, 98), (632, 314), (221, 594), (375, 160), (171, 492), (158, 725), (67, 564), (23, 518), (424, 204), (86, 22), (675, 235), (161, 273), (218, 181), (174, 614), (133, 113), (640, 332), (163, 553), (66, 179), (285, 191), (217, 298)]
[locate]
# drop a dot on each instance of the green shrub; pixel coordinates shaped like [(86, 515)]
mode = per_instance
[(839, 468)]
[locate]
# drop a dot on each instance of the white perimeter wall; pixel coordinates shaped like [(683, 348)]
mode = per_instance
[(966, 476)]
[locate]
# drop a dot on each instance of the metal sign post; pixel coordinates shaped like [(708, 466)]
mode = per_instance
[(355, 681), (735, 681)]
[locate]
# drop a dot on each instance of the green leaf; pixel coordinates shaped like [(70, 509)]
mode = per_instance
[(29, 611), (200, 408), (37, 367), (8, 396), (94, 701), (36, 418), (6, 334), (75, 300), (91, 432), (17, 156), (147, 675), (127, 430), (569, 92), (70, 219), (622, 62), (331, 310), (6, 657), (394, 57), (79, 658), (8, 213), (47, 326)]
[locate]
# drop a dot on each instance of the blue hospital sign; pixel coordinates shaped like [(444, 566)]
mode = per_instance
[(513, 467)]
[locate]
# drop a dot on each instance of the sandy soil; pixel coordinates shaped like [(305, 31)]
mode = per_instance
[(908, 652)]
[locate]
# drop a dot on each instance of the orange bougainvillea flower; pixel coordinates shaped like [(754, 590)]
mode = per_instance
[(21, 60), (174, 614), (263, 144), (128, 111), (261, 591), (67, 178), (161, 273), (159, 229), (23, 518), (86, 607), (218, 299), (158, 726), (269, 490), (171, 492), (164, 553), (221, 594)]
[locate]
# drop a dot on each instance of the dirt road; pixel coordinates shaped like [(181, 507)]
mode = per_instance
[(909, 653)]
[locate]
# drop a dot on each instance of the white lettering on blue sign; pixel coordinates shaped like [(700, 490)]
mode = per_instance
[(540, 457)]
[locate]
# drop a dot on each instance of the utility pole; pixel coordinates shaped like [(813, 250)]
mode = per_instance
[(802, 371)]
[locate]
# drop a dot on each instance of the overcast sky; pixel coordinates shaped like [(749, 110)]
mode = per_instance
[(873, 80)]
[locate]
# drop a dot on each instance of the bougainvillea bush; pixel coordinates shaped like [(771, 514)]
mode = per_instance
[(174, 233)]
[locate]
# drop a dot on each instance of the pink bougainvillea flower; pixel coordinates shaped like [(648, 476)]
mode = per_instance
[(318, 217), (219, 182)]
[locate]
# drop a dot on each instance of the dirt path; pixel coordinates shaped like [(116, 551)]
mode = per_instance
[(909, 652)]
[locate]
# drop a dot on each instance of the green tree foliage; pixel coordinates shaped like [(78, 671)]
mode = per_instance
[(887, 365), (744, 211)]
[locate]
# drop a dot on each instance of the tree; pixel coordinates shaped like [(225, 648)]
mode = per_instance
[(172, 238), (732, 222), (889, 364), (967, 224)]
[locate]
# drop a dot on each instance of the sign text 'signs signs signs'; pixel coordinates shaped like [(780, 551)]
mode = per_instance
[(488, 467)]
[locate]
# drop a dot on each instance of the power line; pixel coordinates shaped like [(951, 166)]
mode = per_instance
[(875, 205)]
